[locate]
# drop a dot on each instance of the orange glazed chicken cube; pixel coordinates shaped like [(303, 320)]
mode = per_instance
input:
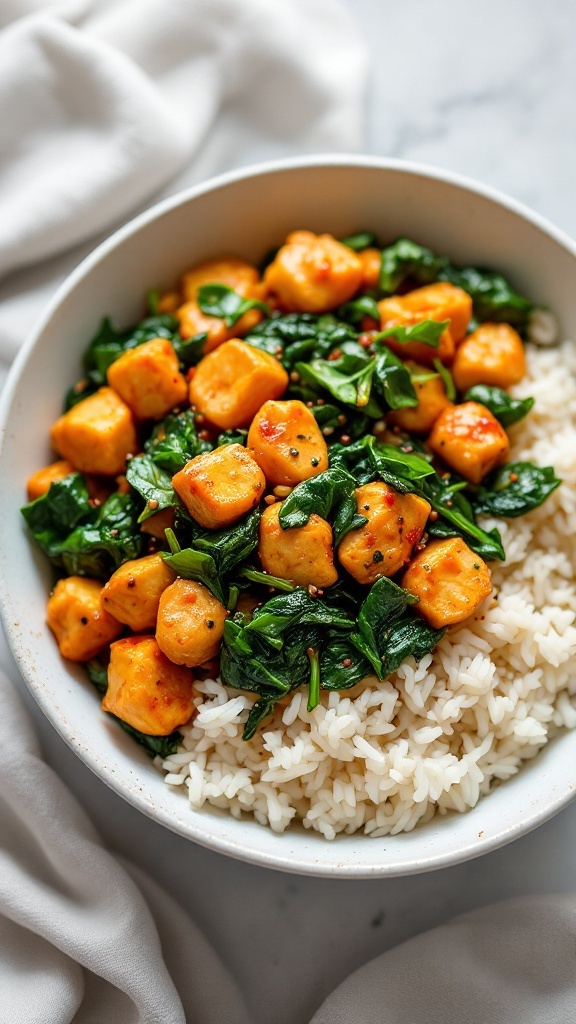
[(470, 440), (97, 434), (313, 273), (145, 689), (234, 273), (395, 524), (190, 623), (493, 354), (41, 481), (432, 400), (148, 379), (449, 580), (220, 487), (303, 554), (133, 592), (287, 443), (231, 384), (371, 260), (440, 301), (81, 625)]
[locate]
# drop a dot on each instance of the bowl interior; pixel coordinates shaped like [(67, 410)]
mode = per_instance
[(248, 213)]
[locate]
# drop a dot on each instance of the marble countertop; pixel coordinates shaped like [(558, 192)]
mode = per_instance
[(487, 90)]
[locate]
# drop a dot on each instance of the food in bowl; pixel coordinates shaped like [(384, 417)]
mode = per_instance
[(324, 523)]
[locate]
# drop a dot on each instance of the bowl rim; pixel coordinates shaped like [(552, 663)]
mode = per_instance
[(311, 865)]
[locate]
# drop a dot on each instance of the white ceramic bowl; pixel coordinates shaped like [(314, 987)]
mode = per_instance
[(249, 212)]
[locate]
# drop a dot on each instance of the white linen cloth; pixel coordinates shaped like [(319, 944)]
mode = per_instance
[(104, 106)]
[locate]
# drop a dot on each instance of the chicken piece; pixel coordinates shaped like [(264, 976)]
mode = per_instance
[(449, 580), (303, 554), (145, 689), (148, 379), (190, 623), (371, 260), (41, 481), (75, 615), (229, 270), (395, 524), (231, 384), (313, 273), (234, 273), (220, 487), (432, 400), (493, 354), (169, 302), (287, 443), (440, 301), (133, 592), (157, 524), (97, 434), (470, 440)]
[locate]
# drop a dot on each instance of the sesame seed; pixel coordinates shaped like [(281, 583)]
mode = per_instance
[(269, 499), (153, 503), (327, 431), (295, 376)]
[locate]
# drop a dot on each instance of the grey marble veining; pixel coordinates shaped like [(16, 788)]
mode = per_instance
[(487, 89)]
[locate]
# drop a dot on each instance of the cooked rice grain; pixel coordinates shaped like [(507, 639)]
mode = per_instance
[(436, 736)]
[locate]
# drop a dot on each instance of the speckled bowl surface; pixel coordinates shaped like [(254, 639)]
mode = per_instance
[(248, 212)]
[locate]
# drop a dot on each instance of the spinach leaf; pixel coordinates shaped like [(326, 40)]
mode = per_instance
[(190, 350), (406, 261), (458, 517), (314, 681), (354, 312), (283, 612), (262, 709), (222, 301), (152, 484), (394, 461), (346, 375), (356, 459), (492, 296), (237, 436), (162, 746), (54, 515), (342, 665), (427, 332), (515, 489), (257, 576), (300, 336), (172, 443), (392, 380), (330, 491), (387, 632), (97, 548), (507, 410), (191, 564), (231, 545), (362, 240)]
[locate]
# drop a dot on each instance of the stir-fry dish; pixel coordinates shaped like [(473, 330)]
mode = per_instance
[(281, 477)]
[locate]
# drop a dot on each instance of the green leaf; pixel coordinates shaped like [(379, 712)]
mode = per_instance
[(199, 566), (99, 547), (354, 312), (232, 437), (447, 380), (427, 332), (348, 378), (286, 611), (388, 632), (230, 546), (255, 576), (152, 484), (172, 443), (342, 665), (507, 410), (300, 336), (492, 296), (261, 710), (407, 261), (393, 381), (363, 240), (407, 466), (324, 494), (515, 489), (221, 301), (55, 514), (190, 350)]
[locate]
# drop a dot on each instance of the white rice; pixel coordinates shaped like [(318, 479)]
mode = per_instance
[(438, 735)]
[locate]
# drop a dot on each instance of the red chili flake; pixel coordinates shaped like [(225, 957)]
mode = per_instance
[(413, 535), (389, 498), (114, 533), (365, 339), (345, 439), (335, 355), (347, 662), (204, 435)]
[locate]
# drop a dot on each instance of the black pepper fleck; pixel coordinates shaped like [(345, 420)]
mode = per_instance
[(377, 556)]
